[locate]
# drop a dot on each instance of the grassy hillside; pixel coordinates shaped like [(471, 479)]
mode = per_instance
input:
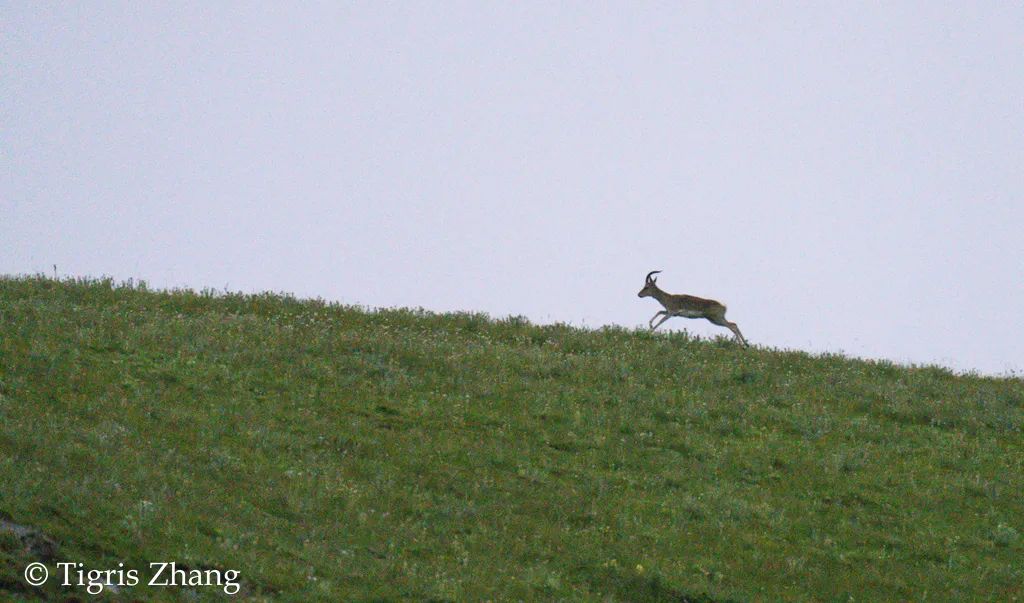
[(329, 453)]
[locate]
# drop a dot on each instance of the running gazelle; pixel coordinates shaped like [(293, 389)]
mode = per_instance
[(686, 306)]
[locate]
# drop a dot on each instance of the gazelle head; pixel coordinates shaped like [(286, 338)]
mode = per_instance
[(650, 285)]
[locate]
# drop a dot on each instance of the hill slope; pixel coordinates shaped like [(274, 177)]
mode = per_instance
[(329, 453)]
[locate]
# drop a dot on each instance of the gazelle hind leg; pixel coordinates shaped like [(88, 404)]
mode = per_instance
[(722, 322), (736, 331)]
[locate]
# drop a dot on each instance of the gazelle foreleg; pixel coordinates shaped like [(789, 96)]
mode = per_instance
[(663, 319)]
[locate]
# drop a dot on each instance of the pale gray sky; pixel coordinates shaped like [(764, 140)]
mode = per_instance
[(844, 176)]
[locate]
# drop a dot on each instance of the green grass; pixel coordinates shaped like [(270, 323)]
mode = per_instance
[(337, 454)]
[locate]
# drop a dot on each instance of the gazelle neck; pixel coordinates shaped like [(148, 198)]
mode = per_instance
[(660, 295)]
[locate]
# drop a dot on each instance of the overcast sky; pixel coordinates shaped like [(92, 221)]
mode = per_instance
[(844, 176)]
